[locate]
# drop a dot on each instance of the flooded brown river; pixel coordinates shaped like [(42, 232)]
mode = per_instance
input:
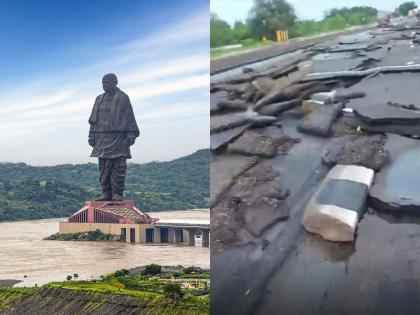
[(23, 252)]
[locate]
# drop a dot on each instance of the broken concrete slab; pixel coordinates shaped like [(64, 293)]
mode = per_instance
[(338, 64), (400, 128), (334, 210), (260, 120), (224, 169), (233, 105), (264, 142), (309, 106), (274, 68), (396, 187), (360, 46), (378, 54), (215, 99), (255, 202), (361, 73), (325, 97), (278, 108), (282, 94), (220, 139), (383, 90), (220, 123), (320, 121), (399, 53), (367, 151)]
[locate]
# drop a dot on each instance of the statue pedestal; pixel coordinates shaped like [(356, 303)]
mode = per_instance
[(123, 212)]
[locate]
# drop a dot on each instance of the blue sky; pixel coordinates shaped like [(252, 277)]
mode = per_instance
[(53, 56), (232, 10)]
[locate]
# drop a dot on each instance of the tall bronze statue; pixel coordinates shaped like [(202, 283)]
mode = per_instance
[(113, 129)]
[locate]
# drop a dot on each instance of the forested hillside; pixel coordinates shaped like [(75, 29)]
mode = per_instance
[(28, 192)]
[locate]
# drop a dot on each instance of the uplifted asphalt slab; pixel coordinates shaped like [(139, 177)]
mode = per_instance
[(396, 187), (385, 96)]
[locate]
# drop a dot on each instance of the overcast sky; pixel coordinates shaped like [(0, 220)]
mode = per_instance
[(232, 10), (53, 57)]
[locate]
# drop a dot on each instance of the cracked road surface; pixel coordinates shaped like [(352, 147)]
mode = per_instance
[(263, 261)]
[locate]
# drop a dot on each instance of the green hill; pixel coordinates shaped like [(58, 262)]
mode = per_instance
[(31, 192)]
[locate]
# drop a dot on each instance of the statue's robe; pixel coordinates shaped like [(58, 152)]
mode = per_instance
[(112, 122)]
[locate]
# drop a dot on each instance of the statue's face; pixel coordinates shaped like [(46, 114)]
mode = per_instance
[(109, 85)]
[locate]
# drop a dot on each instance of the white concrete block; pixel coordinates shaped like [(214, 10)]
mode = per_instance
[(354, 173), (334, 210)]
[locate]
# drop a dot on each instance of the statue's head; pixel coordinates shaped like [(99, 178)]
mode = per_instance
[(109, 82)]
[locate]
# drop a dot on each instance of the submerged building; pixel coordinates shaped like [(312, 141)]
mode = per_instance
[(133, 225)]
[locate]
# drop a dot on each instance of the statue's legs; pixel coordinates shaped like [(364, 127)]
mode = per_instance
[(118, 177), (112, 177), (105, 170)]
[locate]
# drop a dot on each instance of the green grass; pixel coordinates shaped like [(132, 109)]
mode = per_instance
[(249, 45), (148, 291), (10, 295), (156, 302), (316, 29), (100, 287)]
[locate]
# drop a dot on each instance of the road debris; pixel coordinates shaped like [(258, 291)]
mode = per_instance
[(335, 209)]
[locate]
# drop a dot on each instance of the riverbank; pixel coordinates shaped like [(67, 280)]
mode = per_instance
[(150, 289), (8, 283)]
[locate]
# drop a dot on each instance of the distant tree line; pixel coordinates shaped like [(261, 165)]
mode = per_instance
[(268, 16), (28, 192), (404, 8)]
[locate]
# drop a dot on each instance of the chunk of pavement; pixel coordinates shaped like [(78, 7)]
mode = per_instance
[(255, 202), (331, 64), (277, 108), (383, 90), (348, 96), (336, 207), (233, 105), (396, 187), (325, 97), (218, 140), (215, 99), (224, 169), (259, 120), (367, 151), (311, 105), (263, 142), (319, 121), (220, 123), (264, 84), (283, 92)]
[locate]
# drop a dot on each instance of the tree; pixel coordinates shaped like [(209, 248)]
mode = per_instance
[(121, 273), (220, 32), (268, 16), (355, 15), (152, 270), (405, 7), (240, 31), (333, 23), (192, 269), (173, 291)]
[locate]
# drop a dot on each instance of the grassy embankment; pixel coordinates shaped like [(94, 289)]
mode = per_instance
[(302, 30), (149, 294)]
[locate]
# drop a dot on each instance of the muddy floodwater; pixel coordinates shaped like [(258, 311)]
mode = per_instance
[(25, 256)]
